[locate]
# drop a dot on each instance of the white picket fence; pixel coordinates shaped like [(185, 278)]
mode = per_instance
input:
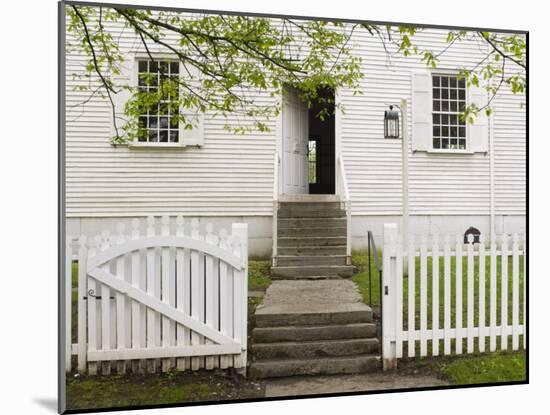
[(406, 318), (160, 300)]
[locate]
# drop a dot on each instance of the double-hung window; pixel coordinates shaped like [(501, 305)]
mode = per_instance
[(159, 123), (448, 100)]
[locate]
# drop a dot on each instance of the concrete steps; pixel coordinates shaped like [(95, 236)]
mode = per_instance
[(290, 260), (316, 348), (311, 239), (313, 328), (321, 332), (298, 271), (312, 250), (312, 232), (316, 366)]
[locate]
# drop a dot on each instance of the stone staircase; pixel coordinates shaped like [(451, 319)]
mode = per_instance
[(318, 327), (311, 239)]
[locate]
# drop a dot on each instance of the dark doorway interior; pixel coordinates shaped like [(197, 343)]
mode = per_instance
[(321, 146)]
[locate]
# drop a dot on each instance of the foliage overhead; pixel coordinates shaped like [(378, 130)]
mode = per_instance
[(226, 57)]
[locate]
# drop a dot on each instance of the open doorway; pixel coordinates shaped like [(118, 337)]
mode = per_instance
[(308, 143), (321, 144)]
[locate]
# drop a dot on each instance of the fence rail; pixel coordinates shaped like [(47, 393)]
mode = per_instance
[(160, 299), (456, 297)]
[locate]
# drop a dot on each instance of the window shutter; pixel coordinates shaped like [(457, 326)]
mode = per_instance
[(421, 111), (478, 131), (195, 136)]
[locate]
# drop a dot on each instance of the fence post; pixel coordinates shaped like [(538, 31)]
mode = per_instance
[(240, 230), (389, 291)]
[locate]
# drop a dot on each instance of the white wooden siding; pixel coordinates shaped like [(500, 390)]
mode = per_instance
[(233, 174)]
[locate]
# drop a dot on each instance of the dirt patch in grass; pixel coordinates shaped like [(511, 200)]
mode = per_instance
[(94, 392)]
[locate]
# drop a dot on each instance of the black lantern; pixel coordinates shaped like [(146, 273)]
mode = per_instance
[(391, 123)]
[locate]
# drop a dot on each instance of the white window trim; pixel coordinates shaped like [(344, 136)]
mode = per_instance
[(467, 150), (180, 145)]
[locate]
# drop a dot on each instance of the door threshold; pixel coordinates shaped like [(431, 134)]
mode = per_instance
[(309, 198)]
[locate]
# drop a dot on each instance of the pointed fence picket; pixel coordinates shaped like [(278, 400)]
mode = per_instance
[(160, 300), (467, 279)]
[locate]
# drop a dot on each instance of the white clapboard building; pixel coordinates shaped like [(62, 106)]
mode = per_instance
[(298, 175)]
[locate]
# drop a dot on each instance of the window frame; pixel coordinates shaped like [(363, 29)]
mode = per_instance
[(467, 149), (135, 82)]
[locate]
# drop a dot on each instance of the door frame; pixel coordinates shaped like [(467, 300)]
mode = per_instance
[(279, 136)]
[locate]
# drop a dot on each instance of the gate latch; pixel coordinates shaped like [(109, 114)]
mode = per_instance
[(97, 297), (386, 290)]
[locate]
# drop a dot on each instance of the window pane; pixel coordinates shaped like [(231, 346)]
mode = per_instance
[(437, 131), (163, 137), (453, 93), (462, 144), (436, 93), (173, 122), (453, 119), (461, 83), (454, 131), (153, 136), (445, 143), (437, 142), (163, 123), (444, 94), (444, 131), (153, 122), (174, 67), (435, 81), (436, 119), (142, 66), (444, 81), (174, 136), (453, 82), (461, 94), (462, 131), (454, 106), (444, 105), (436, 106), (444, 119)]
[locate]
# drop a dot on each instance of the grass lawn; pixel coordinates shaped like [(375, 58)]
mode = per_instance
[(94, 392), (469, 369)]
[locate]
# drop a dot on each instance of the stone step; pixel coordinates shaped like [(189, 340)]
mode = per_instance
[(290, 260), (284, 315), (312, 250), (309, 198), (311, 241), (312, 349), (315, 366), (311, 210), (305, 333), (320, 232), (311, 223), (297, 271)]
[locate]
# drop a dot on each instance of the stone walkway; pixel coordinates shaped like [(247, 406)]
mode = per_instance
[(314, 385)]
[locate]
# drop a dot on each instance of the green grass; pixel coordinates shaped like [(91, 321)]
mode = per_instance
[(491, 368), (469, 369), (90, 392), (258, 275)]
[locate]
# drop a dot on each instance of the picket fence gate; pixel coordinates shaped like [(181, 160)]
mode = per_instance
[(439, 328), (160, 300)]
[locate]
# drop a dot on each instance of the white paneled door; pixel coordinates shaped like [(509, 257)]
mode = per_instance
[(295, 141)]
